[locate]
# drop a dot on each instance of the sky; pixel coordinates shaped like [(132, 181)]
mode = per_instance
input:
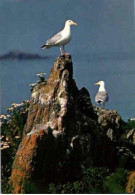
[(103, 25)]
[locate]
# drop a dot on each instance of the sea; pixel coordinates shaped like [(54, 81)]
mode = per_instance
[(102, 47)]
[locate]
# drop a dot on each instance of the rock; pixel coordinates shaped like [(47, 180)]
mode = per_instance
[(110, 133), (108, 118), (130, 188), (17, 137), (4, 145), (131, 135), (58, 111), (63, 133), (111, 121)]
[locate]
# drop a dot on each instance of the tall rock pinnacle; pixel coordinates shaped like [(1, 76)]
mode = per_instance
[(61, 133)]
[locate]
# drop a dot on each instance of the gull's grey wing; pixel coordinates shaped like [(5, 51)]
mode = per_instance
[(101, 97), (54, 39)]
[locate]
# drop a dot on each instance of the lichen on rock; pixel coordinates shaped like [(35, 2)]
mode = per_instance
[(130, 188)]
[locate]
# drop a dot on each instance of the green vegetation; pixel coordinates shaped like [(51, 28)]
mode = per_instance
[(130, 124), (116, 182), (31, 188), (94, 180), (11, 132)]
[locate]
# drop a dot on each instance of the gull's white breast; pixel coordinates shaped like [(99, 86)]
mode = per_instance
[(65, 38)]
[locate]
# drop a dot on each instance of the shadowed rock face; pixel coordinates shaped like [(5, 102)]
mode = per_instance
[(63, 132)]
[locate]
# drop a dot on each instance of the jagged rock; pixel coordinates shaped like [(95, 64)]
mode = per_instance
[(63, 132), (110, 133), (110, 120), (131, 135)]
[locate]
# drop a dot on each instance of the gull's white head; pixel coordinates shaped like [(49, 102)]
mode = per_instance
[(70, 22), (101, 83)]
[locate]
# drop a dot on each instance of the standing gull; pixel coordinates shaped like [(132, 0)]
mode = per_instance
[(61, 38), (101, 96)]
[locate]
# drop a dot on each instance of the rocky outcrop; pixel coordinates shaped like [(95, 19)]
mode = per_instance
[(63, 133), (131, 135), (110, 121)]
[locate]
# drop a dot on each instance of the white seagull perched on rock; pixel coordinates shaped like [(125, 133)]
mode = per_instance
[(101, 96), (61, 38)]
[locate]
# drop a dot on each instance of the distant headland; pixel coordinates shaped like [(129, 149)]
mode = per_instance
[(19, 55)]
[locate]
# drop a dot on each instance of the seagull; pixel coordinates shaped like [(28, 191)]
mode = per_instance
[(61, 38), (101, 96), (32, 84), (41, 74)]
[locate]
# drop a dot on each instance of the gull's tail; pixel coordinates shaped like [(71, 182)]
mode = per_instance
[(45, 46)]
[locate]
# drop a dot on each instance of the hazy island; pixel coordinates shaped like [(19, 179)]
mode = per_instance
[(16, 54)]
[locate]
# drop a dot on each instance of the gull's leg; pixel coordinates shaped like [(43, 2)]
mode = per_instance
[(63, 48), (103, 105), (61, 51)]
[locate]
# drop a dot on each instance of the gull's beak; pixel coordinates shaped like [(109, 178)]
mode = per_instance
[(74, 23), (96, 83)]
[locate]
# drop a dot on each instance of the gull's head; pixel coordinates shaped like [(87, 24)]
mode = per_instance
[(70, 22), (101, 83)]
